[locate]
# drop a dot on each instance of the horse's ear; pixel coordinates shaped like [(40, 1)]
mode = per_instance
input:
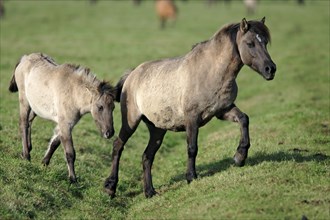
[(244, 26), (263, 20)]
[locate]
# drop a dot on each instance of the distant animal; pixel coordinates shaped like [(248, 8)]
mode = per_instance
[(251, 6), (2, 9), (186, 92), (63, 94), (166, 10)]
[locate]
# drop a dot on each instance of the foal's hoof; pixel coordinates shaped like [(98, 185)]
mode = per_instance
[(26, 157), (110, 187), (73, 180), (45, 162)]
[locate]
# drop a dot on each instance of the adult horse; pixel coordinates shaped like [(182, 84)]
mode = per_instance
[(184, 93), (63, 94)]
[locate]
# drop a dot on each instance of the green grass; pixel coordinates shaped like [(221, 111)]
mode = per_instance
[(287, 172)]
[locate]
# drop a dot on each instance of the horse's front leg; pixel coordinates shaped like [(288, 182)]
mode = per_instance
[(70, 154), (192, 149), (110, 184), (235, 115)]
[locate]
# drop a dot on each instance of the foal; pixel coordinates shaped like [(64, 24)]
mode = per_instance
[(63, 94)]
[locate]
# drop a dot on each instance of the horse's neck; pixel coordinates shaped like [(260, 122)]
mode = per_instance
[(226, 59)]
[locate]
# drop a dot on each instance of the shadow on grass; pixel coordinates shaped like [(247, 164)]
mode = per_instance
[(295, 154)]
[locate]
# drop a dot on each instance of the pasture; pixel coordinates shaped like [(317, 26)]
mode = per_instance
[(287, 172)]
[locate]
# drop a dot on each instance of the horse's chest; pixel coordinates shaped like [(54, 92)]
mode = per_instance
[(218, 100)]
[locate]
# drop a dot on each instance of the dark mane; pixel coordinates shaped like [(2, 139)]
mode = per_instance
[(260, 28), (106, 88), (254, 26)]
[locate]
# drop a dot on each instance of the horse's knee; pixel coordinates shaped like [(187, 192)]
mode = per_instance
[(244, 120)]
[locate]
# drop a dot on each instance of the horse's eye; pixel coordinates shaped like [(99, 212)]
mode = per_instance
[(250, 45), (100, 108)]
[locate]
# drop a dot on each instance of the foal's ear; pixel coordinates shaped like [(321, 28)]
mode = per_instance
[(263, 20), (244, 26)]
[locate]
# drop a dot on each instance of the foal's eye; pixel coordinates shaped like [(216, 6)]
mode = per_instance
[(250, 45), (100, 108)]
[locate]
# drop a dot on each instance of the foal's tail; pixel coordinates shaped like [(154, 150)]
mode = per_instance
[(12, 85), (120, 84)]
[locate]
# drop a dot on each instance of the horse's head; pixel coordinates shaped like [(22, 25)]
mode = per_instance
[(102, 109), (252, 39)]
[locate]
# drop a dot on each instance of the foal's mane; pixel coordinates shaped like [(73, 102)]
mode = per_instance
[(90, 80), (87, 78)]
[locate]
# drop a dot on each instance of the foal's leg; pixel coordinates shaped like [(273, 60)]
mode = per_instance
[(25, 111), (192, 149), (235, 115), (32, 115), (155, 140), (53, 145), (70, 154)]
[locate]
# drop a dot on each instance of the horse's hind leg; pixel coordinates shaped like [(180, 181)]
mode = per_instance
[(155, 140), (192, 148), (53, 145), (235, 115)]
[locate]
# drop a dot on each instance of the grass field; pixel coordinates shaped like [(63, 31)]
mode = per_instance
[(287, 173)]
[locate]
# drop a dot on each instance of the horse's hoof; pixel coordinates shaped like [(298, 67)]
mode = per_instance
[(110, 187), (239, 160), (150, 193), (190, 177)]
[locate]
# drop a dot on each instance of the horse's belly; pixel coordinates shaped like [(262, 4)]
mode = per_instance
[(167, 118)]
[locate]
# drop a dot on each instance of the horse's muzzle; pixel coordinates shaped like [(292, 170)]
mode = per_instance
[(269, 71)]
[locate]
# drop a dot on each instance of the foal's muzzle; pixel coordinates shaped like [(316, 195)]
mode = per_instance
[(108, 134)]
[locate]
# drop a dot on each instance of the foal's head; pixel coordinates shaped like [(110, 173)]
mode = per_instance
[(252, 39), (102, 109)]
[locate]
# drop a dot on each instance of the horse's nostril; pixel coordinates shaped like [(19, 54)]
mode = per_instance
[(267, 69)]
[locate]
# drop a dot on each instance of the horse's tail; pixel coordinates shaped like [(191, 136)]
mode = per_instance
[(120, 84), (13, 85)]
